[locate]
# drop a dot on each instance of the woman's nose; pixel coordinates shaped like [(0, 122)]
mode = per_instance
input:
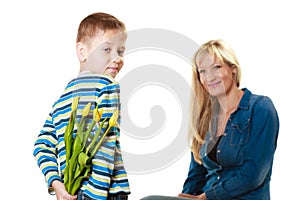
[(210, 75)]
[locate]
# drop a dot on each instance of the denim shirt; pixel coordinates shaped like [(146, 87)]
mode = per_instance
[(244, 154)]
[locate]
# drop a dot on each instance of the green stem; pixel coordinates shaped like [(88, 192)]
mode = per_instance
[(68, 136), (95, 137), (100, 142), (86, 135)]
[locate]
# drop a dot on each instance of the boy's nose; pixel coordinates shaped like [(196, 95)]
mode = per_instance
[(117, 59)]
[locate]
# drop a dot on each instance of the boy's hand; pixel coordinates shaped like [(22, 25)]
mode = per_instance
[(61, 192), (201, 196)]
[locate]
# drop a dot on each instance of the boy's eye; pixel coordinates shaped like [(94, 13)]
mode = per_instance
[(120, 52)]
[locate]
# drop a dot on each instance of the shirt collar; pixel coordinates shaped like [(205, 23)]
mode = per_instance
[(245, 101)]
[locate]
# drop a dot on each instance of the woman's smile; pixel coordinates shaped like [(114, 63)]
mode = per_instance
[(214, 85)]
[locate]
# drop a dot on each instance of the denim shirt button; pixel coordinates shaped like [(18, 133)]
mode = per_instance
[(224, 134), (218, 151), (218, 177)]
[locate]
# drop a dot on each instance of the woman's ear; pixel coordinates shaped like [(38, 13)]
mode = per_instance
[(81, 51), (234, 69)]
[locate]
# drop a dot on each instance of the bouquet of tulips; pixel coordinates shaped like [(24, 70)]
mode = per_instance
[(79, 153)]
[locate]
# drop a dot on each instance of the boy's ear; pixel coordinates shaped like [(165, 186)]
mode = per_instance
[(81, 51)]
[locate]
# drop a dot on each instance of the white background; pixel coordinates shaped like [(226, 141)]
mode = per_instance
[(38, 59)]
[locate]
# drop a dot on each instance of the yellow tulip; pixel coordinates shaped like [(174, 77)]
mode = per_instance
[(98, 114), (86, 109), (113, 120), (75, 103)]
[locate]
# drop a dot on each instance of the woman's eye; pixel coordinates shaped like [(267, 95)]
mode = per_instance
[(201, 71), (107, 50), (217, 67)]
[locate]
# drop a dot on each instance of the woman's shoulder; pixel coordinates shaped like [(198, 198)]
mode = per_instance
[(260, 101)]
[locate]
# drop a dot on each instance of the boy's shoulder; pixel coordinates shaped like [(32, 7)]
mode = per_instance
[(86, 84), (92, 78)]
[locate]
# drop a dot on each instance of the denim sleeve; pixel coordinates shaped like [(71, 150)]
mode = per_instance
[(196, 178), (258, 154)]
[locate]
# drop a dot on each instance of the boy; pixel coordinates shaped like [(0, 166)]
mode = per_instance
[(100, 46)]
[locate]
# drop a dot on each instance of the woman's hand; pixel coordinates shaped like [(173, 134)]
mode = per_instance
[(201, 196), (61, 192)]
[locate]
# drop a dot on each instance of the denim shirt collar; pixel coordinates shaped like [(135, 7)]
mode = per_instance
[(245, 101), (243, 105)]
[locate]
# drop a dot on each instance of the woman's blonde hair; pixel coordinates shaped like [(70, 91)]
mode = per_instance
[(202, 103)]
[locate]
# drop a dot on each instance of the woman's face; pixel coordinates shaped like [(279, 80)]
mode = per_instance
[(217, 78)]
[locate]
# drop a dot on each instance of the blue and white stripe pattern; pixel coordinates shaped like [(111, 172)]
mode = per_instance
[(108, 173)]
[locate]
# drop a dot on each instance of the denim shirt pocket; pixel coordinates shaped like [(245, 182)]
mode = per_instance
[(240, 132)]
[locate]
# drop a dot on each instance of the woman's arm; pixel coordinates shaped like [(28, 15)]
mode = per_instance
[(201, 196), (196, 178)]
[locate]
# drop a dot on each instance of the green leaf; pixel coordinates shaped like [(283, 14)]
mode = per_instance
[(77, 182), (82, 159)]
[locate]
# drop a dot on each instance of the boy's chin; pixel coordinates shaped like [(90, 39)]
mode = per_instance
[(113, 75), (110, 72)]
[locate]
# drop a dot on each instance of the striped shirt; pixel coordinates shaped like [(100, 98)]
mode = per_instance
[(108, 174)]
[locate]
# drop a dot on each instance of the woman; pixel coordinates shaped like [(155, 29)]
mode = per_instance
[(234, 132)]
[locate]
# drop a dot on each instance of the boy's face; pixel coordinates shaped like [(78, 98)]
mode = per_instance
[(105, 53)]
